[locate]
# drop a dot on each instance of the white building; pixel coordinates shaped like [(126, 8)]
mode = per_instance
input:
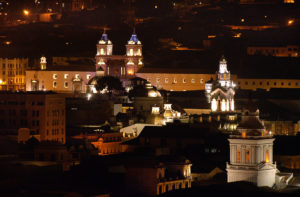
[(251, 152), (60, 78)]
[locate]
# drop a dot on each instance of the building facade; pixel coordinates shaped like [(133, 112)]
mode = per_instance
[(12, 73), (190, 80), (60, 77), (42, 113), (155, 179), (278, 51)]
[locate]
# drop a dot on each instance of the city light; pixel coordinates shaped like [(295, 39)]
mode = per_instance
[(26, 12), (290, 22)]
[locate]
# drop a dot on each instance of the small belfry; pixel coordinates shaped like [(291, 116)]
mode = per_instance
[(43, 63), (104, 49), (134, 54), (251, 151), (220, 92)]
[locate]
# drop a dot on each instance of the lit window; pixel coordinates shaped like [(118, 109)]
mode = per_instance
[(130, 72), (238, 156), (101, 51), (166, 80), (157, 80), (66, 76), (201, 81), (192, 80), (232, 105), (54, 76), (88, 76), (214, 105), (76, 76), (175, 80), (54, 84), (267, 156), (66, 84), (139, 52), (223, 105), (130, 52), (247, 156), (183, 80)]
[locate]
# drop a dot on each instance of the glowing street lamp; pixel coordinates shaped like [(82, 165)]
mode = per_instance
[(26, 12), (290, 22)]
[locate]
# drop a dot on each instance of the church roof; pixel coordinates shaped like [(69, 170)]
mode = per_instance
[(104, 39), (134, 39)]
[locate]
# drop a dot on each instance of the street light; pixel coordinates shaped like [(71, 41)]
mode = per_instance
[(26, 12)]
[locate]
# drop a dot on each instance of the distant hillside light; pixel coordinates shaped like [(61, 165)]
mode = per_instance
[(290, 22)]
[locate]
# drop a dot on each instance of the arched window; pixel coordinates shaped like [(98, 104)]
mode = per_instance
[(101, 51), (214, 106), (223, 105), (247, 156), (238, 156), (267, 156), (130, 52), (232, 105)]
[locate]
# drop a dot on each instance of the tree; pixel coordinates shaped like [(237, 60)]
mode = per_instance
[(109, 83)]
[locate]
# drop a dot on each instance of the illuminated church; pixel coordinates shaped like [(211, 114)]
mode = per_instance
[(122, 66), (220, 94), (251, 152)]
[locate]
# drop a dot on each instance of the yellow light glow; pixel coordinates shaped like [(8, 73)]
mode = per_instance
[(223, 105), (139, 52), (238, 35), (227, 105), (101, 51), (243, 134), (290, 22), (214, 105), (211, 36), (130, 72), (267, 156), (131, 52), (1, 81), (26, 12), (242, 20), (232, 105)]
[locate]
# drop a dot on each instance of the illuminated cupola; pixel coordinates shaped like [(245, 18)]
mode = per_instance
[(43, 63), (251, 151)]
